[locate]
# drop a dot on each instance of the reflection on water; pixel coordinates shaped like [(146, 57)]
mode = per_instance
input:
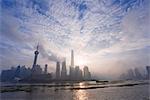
[(63, 92), (80, 94)]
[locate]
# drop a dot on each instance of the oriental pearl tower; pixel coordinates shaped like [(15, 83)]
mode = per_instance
[(35, 57)]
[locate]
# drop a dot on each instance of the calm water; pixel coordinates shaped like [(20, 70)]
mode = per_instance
[(137, 92)]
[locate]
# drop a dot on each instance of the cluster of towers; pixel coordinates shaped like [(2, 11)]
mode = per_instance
[(75, 73), (37, 74), (135, 74), (24, 74)]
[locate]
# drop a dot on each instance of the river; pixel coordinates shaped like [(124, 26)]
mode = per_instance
[(79, 92)]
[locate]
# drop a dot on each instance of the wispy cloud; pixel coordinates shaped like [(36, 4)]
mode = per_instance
[(94, 29)]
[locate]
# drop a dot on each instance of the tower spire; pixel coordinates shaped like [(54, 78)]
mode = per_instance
[(37, 48), (36, 55)]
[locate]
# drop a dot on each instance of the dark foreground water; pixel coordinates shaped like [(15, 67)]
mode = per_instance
[(78, 92)]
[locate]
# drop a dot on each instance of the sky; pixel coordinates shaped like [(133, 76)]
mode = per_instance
[(109, 36)]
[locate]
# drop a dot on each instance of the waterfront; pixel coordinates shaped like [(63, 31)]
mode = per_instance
[(82, 91)]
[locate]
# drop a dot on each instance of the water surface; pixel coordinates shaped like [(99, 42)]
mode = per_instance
[(74, 92)]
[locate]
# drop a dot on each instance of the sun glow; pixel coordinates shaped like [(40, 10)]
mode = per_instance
[(80, 61), (81, 94)]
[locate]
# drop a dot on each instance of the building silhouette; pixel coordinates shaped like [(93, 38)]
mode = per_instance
[(36, 69), (57, 70), (72, 58), (71, 72), (148, 72), (64, 71), (130, 74), (134, 74), (78, 73), (87, 74), (45, 69), (138, 75), (15, 74), (37, 74), (35, 57), (23, 74)]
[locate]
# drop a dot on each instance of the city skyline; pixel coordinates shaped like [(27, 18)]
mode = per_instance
[(72, 72), (105, 35), (38, 74)]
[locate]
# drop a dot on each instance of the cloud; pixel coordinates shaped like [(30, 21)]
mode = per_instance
[(94, 29), (50, 55)]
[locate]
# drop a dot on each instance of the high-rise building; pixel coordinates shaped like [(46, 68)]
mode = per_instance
[(72, 58), (17, 72), (57, 70), (148, 72), (45, 69), (71, 73), (87, 74), (130, 74), (37, 70), (78, 73), (64, 71), (138, 74)]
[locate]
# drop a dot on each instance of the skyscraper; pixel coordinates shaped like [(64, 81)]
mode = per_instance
[(148, 72), (64, 71), (45, 69), (130, 74), (78, 73), (72, 58), (71, 73), (138, 74), (87, 74), (57, 70)]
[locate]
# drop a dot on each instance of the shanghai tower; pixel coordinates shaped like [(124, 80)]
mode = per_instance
[(72, 58), (71, 73)]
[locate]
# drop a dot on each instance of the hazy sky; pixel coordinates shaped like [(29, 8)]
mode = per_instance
[(109, 36)]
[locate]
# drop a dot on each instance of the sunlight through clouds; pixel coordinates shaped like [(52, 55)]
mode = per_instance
[(95, 30)]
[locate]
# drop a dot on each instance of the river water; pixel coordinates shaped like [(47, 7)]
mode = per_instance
[(68, 92)]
